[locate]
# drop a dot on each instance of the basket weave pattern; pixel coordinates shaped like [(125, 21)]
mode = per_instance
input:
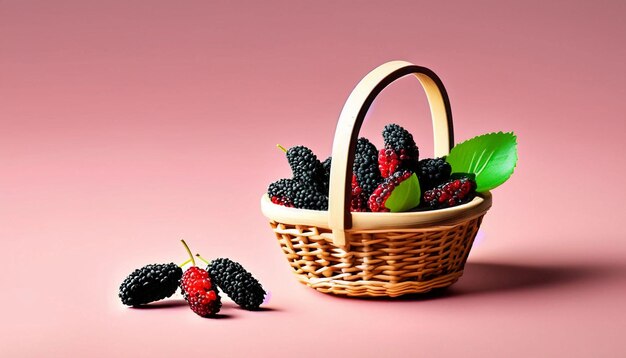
[(378, 263)]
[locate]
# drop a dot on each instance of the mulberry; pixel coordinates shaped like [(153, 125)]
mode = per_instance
[(237, 283), (376, 201), (307, 196), (365, 166), (150, 283), (358, 201), (306, 167), (200, 292), (326, 165), (402, 143), (281, 192), (432, 172), (387, 162), (451, 193)]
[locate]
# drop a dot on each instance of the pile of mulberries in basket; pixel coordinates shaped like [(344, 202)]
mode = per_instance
[(198, 286), (395, 179)]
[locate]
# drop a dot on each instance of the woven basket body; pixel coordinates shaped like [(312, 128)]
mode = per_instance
[(378, 254)]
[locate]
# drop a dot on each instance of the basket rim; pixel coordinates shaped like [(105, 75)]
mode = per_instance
[(380, 221)]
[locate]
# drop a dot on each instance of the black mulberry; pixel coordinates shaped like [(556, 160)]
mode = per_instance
[(366, 166), (432, 172), (306, 167), (307, 196), (150, 283), (326, 165), (281, 192), (237, 283)]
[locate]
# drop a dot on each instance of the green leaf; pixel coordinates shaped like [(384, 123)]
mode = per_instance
[(405, 196), (491, 157)]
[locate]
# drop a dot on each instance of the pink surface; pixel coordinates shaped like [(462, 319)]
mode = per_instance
[(125, 126)]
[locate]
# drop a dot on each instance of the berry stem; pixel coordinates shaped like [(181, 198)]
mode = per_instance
[(281, 148), (185, 263), (203, 259), (189, 252)]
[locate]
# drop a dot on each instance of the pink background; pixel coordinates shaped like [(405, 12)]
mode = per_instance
[(127, 125)]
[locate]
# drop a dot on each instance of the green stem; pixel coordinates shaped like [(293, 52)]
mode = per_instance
[(189, 252), (282, 148), (185, 263), (202, 258)]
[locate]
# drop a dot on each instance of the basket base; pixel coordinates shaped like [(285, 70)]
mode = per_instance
[(379, 263), (379, 289)]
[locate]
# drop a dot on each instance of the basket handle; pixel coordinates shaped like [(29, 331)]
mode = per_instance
[(349, 125)]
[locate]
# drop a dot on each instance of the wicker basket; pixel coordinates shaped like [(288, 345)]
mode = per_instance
[(378, 254)]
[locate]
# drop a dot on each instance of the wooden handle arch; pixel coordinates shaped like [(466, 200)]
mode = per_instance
[(349, 125)]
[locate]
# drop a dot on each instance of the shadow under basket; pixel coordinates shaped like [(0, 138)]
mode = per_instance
[(363, 254)]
